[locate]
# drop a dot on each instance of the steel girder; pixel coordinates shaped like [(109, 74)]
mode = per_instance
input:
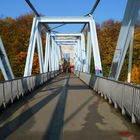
[(31, 49), (4, 63), (80, 55), (47, 60), (51, 50), (88, 56), (130, 57), (125, 36)]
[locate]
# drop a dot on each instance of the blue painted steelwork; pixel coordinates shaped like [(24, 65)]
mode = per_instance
[(52, 46), (128, 24), (4, 63)]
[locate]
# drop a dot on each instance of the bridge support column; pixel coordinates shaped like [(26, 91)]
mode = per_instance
[(75, 57), (4, 64), (58, 53), (88, 55), (52, 55), (83, 53), (40, 51), (79, 56), (130, 57), (128, 23), (47, 53), (31, 49), (35, 36), (56, 56), (96, 53)]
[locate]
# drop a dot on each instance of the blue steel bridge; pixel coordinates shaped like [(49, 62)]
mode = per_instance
[(71, 106)]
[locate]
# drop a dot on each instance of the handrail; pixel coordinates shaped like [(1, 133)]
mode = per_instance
[(121, 82), (24, 77), (122, 95), (14, 89)]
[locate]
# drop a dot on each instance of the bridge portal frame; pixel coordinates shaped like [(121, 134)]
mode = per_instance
[(36, 36), (78, 42)]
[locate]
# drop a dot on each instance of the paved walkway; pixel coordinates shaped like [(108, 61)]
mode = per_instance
[(65, 109)]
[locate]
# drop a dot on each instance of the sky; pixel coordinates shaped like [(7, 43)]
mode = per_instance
[(107, 9)]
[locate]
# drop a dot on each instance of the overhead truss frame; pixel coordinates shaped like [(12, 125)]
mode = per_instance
[(47, 63)]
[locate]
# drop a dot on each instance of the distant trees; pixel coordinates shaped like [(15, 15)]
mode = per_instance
[(135, 76), (108, 33), (15, 34)]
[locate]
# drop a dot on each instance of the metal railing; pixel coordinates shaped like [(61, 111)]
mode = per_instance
[(16, 88), (122, 95)]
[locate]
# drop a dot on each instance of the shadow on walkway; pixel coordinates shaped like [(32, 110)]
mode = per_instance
[(54, 131), (14, 124)]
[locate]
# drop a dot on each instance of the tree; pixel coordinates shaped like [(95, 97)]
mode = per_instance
[(135, 76), (15, 34)]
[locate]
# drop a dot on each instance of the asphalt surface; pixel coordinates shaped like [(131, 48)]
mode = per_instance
[(65, 109)]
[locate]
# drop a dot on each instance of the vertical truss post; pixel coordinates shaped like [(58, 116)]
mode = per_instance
[(83, 53), (58, 56), (88, 54), (31, 49), (130, 57), (76, 56), (79, 55), (96, 53), (47, 53), (50, 58), (40, 51), (50, 54), (4, 63), (61, 55), (53, 55)]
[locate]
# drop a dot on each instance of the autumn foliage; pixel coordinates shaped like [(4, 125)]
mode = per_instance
[(108, 35), (135, 76), (15, 34)]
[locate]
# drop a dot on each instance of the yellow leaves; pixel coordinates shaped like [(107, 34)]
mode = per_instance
[(135, 76), (137, 38), (9, 20), (21, 56), (107, 36), (35, 69)]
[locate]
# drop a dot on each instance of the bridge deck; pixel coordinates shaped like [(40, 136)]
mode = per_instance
[(65, 108)]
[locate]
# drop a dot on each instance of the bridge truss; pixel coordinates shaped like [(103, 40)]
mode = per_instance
[(52, 50), (125, 39), (82, 49), (125, 96)]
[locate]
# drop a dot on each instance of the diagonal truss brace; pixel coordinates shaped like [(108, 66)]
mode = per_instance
[(4, 63), (126, 32), (51, 55), (35, 36)]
